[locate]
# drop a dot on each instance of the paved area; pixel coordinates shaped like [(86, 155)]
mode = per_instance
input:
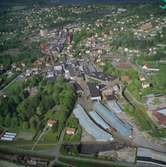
[(126, 154), (141, 138), (86, 137), (104, 162), (57, 149)]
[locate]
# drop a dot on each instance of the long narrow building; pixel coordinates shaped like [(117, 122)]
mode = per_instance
[(111, 118), (94, 130)]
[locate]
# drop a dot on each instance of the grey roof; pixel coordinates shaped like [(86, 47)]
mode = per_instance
[(111, 118), (114, 106), (71, 69), (162, 111), (94, 91), (102, 86), (146, 152), (101, 76), (99, 120), (98, 133)]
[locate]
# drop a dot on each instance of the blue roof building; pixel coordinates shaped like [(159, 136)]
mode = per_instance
[(99, 120), (94, 130), (111, 118)]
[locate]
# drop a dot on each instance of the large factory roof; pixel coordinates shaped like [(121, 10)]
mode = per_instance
[(98, 133), (111, 118), (114, 106), (99, 120)]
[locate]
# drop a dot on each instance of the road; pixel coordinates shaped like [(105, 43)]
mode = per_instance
[(40, 136), (106, 162), (57, 149), (97, 161)]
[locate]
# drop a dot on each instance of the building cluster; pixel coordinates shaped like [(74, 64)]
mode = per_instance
[(102, 122), (56, 40), (33, 161), (145, 84), (96, 48), (146, 70), (100, 85)]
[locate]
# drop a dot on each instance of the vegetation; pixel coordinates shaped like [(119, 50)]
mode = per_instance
[(143, 120), (133, 85), (73, 122), (53, 101)]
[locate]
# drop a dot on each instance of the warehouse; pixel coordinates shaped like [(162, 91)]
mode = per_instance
[(122, 128), (98, 133)]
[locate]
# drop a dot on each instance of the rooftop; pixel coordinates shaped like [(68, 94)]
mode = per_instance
[(94, 90), (98, 133), (51, 122), (123, 128), (160, 117), (101, 76)]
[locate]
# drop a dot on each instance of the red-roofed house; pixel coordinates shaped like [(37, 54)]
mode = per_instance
[(161, 118), (124, 65), (51, 122), (70, 131)]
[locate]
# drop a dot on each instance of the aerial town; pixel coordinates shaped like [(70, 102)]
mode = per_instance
[(83, 85)]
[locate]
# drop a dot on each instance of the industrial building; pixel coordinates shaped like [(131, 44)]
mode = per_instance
[(111, 118), (94, 130)]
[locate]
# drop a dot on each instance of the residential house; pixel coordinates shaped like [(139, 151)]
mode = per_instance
[(147, 27), (145, 67), (160, 115), (142, 78), (51, 122), (126, 78), (145, 85), (70, 131)]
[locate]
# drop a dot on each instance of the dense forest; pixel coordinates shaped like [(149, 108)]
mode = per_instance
[(53, 100)]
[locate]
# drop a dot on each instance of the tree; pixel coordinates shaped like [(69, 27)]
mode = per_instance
[(1, 120), (14, 122), (55, 128), (72, 122), (7, 120), (33, 123), (25, 125), (74, 150)]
